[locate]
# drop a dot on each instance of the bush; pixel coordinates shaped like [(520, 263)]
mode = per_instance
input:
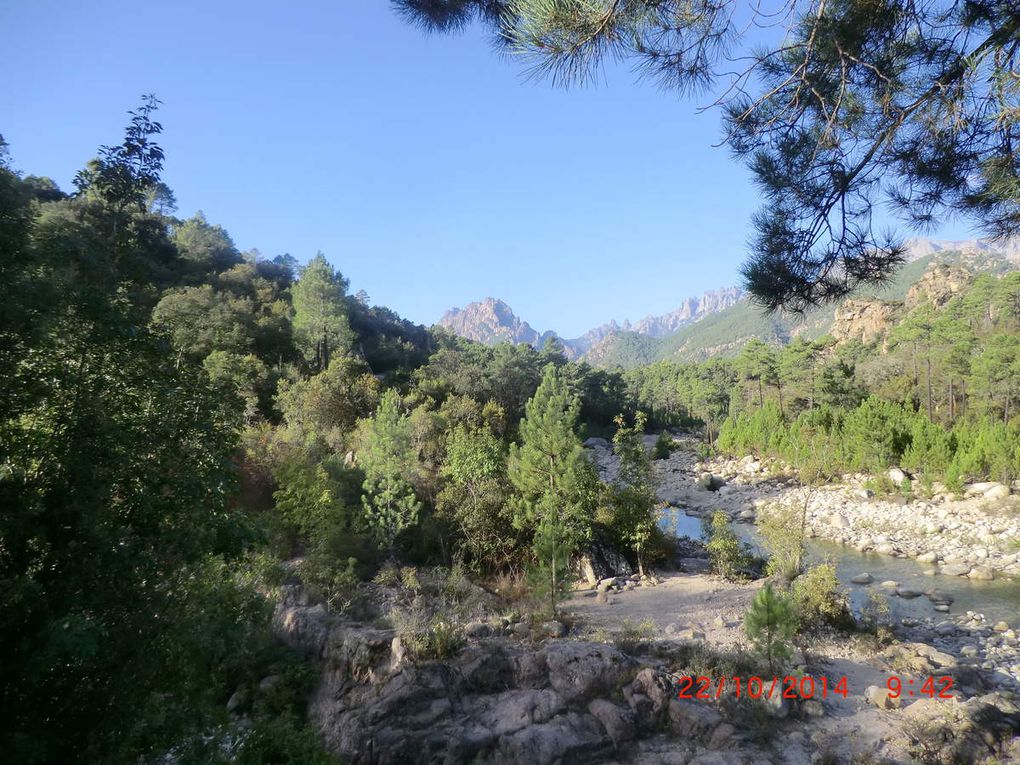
[(333, 581), (875, 618), (762, 431), (730, 559), (875, 435), (664, 446), (819, 599), (782, 531), (426, 636)]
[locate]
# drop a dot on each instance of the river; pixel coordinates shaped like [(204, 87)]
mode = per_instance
[(996, 600)]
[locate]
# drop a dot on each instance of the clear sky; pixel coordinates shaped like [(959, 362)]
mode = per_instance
[(428, 169)]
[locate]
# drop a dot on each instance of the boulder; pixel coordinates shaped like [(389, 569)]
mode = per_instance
[(862, 578), (907, 593), (721, 736), (475, 629), (692, 719), (982, 572), (897, 476), (655, 686), (570, 737), (927, 557), (880, 697), (552, 628), (618, 722), (710, 482), (237, 700), (581, 670), (956, 569), (266, 684), (600, 561)]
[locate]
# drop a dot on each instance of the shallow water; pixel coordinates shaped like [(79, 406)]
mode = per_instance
[(997, 600)]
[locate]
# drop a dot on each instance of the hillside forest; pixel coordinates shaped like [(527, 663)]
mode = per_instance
[(185, 427)]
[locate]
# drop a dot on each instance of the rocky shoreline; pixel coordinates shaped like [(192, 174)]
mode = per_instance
[(977, 536)]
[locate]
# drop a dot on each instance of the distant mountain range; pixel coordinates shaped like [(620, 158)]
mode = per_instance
[(492, 321), (720, 321)]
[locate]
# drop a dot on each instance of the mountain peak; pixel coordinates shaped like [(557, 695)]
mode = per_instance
[(492, 321)]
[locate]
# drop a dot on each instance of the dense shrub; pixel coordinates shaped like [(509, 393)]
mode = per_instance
[(875, 436), (782, 531), (730, 559), (664, 446), (819, 599)]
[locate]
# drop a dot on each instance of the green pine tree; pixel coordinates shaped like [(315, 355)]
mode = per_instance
[(549, 470), (770, 623), (321, 327), (389, 499)]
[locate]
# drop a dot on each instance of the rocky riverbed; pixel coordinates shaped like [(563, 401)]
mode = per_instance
[(975, 538)]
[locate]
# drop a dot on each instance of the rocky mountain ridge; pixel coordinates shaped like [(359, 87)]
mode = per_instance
[(491, 321), (719, 322)]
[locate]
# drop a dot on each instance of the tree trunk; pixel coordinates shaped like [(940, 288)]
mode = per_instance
[(761, 394), (928, 362)]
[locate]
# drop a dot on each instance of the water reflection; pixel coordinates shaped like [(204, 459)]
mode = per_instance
[(998, 599)]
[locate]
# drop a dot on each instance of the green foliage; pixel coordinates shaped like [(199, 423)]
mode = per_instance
[(321, 326), (475, 496), (389, 500), (819, 599), (664, 446), (548, 472), (633, 496), (769, 623), (326, 407), (730, 558), (762, 431), (782, 529)]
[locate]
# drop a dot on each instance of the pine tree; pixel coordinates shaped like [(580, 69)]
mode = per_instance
[(770, 623), (548, 470), (389, 499), (320, 322)]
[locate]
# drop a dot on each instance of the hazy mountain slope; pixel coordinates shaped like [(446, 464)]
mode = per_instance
[(724, 333)]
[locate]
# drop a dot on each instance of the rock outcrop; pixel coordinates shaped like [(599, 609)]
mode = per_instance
[(491, 321), (501, 699), (938, 285), (865, 320)]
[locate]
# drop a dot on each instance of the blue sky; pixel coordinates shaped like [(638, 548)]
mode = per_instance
[(428, 169)]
